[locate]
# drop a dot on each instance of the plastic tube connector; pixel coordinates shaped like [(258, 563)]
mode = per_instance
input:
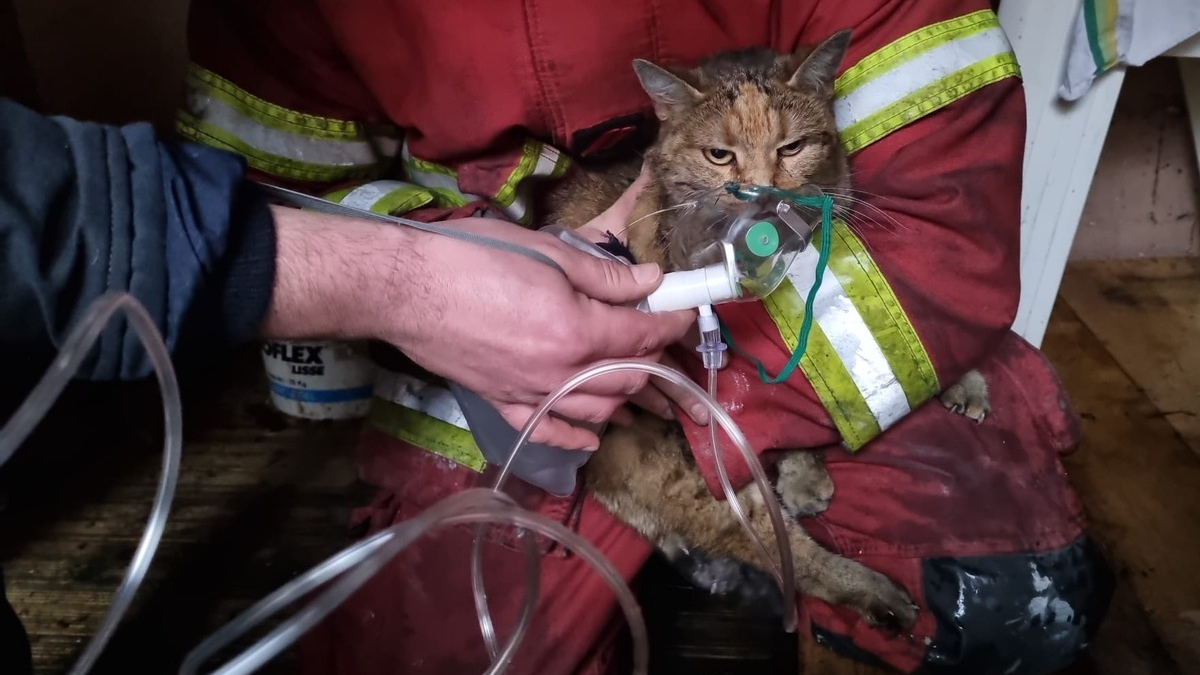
[(710, 285), (711, 347)]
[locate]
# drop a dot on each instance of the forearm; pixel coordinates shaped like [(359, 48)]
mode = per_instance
[(87, 209), (335, 276)]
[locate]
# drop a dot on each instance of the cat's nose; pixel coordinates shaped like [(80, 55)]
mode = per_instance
[(758, 174)]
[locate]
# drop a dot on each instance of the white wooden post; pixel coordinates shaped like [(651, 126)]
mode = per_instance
[(1062, 148), (1188, 54)]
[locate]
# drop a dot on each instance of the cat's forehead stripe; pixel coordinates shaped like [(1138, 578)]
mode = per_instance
[(752, 118)]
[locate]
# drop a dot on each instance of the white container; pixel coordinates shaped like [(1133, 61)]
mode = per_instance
[(319, 380)]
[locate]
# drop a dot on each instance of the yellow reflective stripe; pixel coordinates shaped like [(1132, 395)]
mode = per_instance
[(537, 160), (928, 100), (277, 140), (209, 134), (823, 369), (876, 302), (911, 46), (919, 74), (864, 359), (427, 433), (203, 81), (425, 415), (384, 196), (440, 180), (540, 161)]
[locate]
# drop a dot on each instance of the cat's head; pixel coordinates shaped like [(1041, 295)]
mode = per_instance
[(751, 116)]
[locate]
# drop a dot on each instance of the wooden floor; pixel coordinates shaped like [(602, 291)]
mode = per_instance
[(261, 499)]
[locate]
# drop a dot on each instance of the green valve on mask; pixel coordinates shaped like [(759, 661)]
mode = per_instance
[(762, 239)]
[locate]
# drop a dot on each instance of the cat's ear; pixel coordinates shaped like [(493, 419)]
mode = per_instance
[(820, 67), (668, 91)]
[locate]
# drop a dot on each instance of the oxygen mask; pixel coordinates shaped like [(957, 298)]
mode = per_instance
[(744, 252), (759, 238)]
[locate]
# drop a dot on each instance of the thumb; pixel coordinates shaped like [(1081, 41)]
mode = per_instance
[(612, 282), (616, 216)]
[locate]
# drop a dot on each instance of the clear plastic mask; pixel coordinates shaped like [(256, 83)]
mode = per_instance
[(760, 241)]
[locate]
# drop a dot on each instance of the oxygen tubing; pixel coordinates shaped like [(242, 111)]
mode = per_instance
[(783, 568), (364, 560), (77, 345)]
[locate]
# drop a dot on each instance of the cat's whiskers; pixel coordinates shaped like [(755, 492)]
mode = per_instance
[(891, 225), (681, 205), (844, 193), (868, 193)]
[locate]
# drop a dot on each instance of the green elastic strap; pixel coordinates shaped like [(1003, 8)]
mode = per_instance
[(826, 204)]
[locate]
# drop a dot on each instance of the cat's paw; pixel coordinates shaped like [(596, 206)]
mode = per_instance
[(804, 485), (880, 601), (969, 397)]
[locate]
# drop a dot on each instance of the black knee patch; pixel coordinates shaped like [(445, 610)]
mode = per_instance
[(1025, 614), (747, 586)]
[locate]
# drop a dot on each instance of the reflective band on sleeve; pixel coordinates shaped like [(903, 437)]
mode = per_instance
[(537, 160), (918, 74), (425, 415), (863, 359), (276, 140), (442, 181), (384, 196)]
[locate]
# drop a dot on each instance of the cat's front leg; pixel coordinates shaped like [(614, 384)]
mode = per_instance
[(804, 485)]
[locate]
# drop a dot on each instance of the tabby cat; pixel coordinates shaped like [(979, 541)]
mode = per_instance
[(753, 116)]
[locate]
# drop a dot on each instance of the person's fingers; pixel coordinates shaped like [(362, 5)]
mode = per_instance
[(612, 282), (587, 408), (621, 384), (551, 430), (653, 401), (619, 330), (680, 395), (616, 216)]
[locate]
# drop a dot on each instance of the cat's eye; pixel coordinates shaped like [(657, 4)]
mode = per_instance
[(719, 156), (792, 148)]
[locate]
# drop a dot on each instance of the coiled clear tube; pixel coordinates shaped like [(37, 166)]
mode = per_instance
[(361, 561), (77, 345), (365, 559), (782, 569)]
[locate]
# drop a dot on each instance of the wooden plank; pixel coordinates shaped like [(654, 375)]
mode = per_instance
[(260, 499), (1146, 313), (1138, 481)]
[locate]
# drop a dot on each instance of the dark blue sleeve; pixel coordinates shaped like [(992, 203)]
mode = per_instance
[(87, 208)]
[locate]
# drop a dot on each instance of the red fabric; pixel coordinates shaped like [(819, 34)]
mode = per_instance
[(417, 616), (469, 80)]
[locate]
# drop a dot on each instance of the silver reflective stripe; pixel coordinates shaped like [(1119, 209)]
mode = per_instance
[(432, 179), (280, 143), (416, 394), (548, 159), (922, 71), (367, 195), (851, 339)]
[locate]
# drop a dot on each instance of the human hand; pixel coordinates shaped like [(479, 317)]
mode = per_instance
[(512, 329), (660, 396)]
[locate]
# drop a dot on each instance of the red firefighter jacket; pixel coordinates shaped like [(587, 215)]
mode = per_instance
[(435, 109)]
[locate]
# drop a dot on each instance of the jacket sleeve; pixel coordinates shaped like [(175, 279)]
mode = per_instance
[(923, 280), (281, 84), (87, 208)]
